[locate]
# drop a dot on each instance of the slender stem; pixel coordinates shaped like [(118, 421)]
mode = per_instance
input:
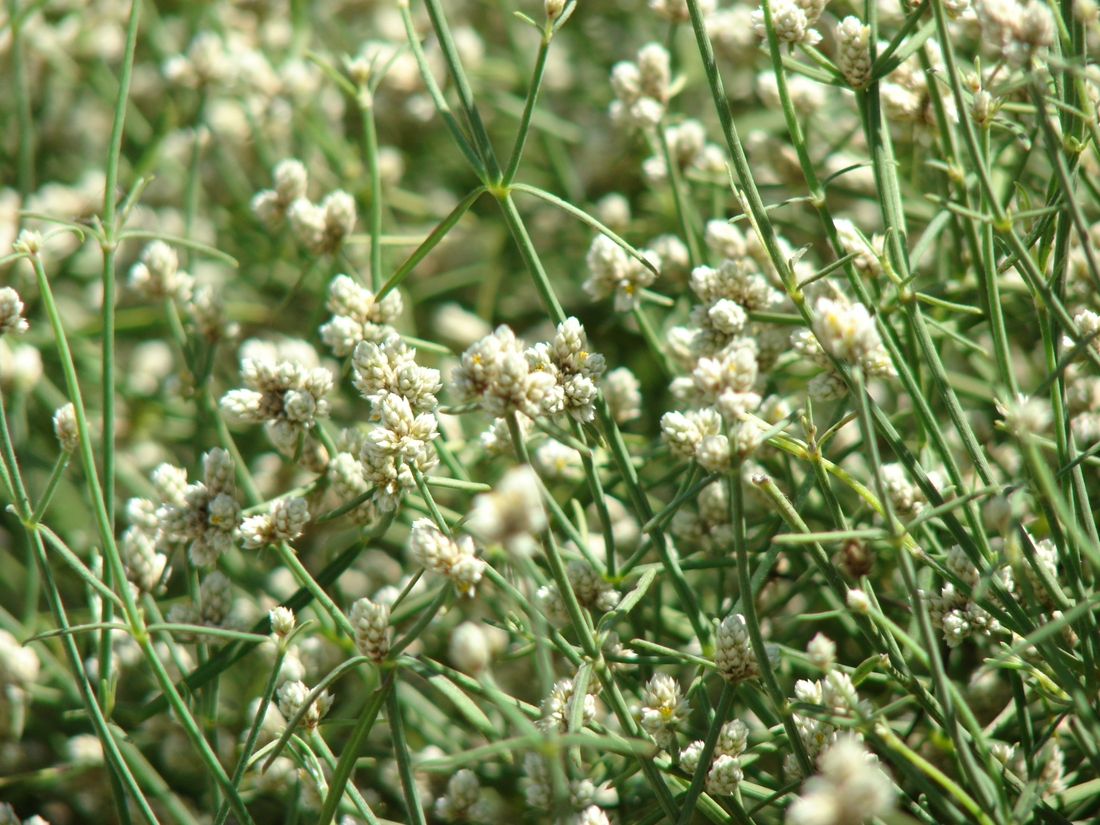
[(51, 486), (345, 766), (679, 198), (699, 778), (25, 150), (291, 560), (370, 136), (404, 761), (748, 605), (528, 109), (254, 730)]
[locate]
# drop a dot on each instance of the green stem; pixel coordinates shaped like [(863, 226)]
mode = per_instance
[(528, 110), (404, 759), (25, 150), (291, 560), (748, 605), (370, 135), (345, 766), (51, 486)]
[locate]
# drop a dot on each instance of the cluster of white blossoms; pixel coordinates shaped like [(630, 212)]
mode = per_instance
[(292, 696), (357, 316), (835, 693), (290, 182), (11, 313), (285, 394), (538, 792), (66, 428), (623, 393), (157, 276), (146, 569), (560, 376), (853, 45), (205, 514), (851, 789), (371, 622), (390, 368), (19, 668), (906, 497), (512, 514), (612, 271), (455, 558), (733, 654), (676, 11), (558, 707), (1017, 29), (725, 384), (284, 520), (210, 608), (690, 150), (904, 92), (557, 462), (390, 452), (590, 588), (462, 801), (955, 612), (794, 21), (664, 708), (709, 527), (869, 255), (846, 331), (724, 772), (641, 87), (319, 227)]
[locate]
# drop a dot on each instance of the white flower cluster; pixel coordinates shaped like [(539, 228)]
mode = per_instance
[(284, 521), (613, 271), (552, 378), (727, 294), (836, 693), (904, 92), (19, 668), (270, 205), (851, 789), (690, 150), (401, 441), (1046, 556), (1017, 29), (204, 514), (623, 393), (210, 609), (733, 655), (512, 514), (390, 368), (292, 696), (12, 321), (558, 706), (456, 559), (537, 789), (853, 45), (664, 708), (462, 801), (286, 395), (66, 429), (709, 528), (557, 462), (347, 480), (869, 255), (641, 87), (590, 589), (906, 497), (725, 771), (725, 384), (357, 316), (848, 332), (371, 622), (320, 228), (794, 21), (146, 569), (157, 276), (954, 611)]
